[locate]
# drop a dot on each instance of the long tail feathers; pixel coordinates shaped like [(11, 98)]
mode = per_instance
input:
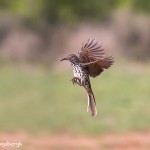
[(91, 104)]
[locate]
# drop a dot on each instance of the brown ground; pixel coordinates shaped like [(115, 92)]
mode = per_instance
[(119, 141)]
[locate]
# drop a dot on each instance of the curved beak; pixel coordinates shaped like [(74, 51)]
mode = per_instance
[(64, 59)]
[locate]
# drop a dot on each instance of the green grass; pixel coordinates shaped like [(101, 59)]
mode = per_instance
[(46, 101)]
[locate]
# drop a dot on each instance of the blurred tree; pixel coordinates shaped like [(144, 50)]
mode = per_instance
[(68, 11), (72, 11), (142, 5), (64, 11), (46, 18)]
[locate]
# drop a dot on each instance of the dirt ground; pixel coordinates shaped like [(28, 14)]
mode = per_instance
[(119, 141)]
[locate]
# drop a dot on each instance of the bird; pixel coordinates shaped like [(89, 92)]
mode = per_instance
[(90, 62)]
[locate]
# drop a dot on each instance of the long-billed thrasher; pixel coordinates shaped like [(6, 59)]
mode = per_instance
[(90, 62)]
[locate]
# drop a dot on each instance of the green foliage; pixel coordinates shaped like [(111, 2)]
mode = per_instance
[(68, 11), (72, 11), (38, 101), (142, 5)]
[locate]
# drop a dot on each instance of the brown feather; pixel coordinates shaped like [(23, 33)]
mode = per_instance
[(92, 57)]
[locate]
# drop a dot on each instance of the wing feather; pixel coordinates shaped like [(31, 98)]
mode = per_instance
[(92, 57)]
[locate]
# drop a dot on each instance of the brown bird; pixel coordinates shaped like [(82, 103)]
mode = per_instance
[(90, 62)]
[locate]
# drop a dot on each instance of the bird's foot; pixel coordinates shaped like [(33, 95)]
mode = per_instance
[(76, 80)]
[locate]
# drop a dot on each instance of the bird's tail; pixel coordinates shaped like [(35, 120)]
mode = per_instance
[(91, 99), (91, 104)]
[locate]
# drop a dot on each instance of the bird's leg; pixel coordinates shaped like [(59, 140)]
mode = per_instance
[(76, 80), (73, 80)]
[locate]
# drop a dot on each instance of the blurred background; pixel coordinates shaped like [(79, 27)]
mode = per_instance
[(40, 107)]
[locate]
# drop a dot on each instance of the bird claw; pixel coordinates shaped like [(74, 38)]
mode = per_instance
[(73, 81), (76, 80)]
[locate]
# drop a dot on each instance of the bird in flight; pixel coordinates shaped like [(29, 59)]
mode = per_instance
[(89, 62)]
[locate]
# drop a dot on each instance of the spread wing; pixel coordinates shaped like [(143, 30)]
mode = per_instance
[(92, 58)]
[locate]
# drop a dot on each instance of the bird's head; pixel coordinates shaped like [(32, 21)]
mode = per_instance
[(72, 58)]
